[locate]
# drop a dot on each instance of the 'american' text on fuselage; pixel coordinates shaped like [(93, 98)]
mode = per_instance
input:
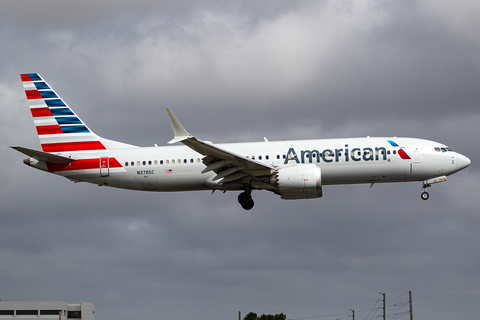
[(337, 155)]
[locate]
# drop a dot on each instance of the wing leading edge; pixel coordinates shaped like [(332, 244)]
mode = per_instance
[(228, 165)]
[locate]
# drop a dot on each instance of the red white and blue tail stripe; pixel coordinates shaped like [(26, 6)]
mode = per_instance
[(58, 127)]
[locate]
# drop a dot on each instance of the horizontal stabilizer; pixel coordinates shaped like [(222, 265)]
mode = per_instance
[(43, 156)]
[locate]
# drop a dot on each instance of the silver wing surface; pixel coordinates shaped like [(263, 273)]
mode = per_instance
[(229, 166)]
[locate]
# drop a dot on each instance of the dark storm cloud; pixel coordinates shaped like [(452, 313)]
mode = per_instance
[(234, 72)]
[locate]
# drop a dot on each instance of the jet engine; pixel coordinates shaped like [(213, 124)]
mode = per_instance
[(302, 181)]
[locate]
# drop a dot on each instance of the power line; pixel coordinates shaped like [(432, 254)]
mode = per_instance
[(372, 312), (391, 311)]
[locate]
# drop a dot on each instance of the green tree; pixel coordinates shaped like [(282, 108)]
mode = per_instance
[(253, 316)]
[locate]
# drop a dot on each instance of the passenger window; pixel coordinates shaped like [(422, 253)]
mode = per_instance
[(259, 157), (138, 163), (132, 163), (166, 161), (144, 163), (184, 160), (126, 164), (155, 162), (278, 156), (161, 161), (267, 157), (149, 162), (198, 159), (173, 161)]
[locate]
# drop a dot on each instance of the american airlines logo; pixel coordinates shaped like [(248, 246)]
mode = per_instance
[(344, 154)]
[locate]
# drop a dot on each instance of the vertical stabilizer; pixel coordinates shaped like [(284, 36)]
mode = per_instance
[(59, 128)]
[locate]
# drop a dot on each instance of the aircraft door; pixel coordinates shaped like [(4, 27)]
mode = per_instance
[(104, 167), (417, 152)]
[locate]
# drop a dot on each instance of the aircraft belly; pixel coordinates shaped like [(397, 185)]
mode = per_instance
[(116, 180), (184, 181), (363, 173)]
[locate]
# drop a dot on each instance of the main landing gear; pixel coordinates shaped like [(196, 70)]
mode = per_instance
[(245, 200)]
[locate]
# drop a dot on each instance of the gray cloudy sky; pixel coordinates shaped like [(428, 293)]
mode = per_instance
[(239, 71)]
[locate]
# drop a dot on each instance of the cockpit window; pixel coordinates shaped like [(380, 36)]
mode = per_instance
[(442, 149)]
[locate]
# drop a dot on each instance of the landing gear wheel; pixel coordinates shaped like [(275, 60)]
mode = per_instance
[(425, 195), (245, 200)]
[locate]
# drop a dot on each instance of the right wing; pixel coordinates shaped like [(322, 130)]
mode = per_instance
[(228, 165)]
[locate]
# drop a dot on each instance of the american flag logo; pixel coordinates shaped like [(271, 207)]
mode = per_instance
[(168, 170)]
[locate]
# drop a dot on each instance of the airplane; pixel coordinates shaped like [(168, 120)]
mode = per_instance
[(291, 169)]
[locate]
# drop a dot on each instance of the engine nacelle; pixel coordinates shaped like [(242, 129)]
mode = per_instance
[(302, 181)]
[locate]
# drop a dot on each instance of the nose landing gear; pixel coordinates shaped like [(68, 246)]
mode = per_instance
[(245, 200), (425, 194), (428, 183)]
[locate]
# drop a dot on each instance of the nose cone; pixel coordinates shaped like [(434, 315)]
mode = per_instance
[(462, 162)]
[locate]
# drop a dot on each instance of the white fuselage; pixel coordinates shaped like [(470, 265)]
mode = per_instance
[(342, 161)]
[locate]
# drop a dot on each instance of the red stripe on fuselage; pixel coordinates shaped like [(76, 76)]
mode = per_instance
[(73, 146), (41, 112), (82, 164), (403, 154), (33, 94), (54, 129)]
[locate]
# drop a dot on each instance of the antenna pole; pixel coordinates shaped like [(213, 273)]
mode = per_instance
[(384, 308), (410, 302)]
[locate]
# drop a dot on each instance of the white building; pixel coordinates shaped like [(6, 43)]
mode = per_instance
[(47, 310)]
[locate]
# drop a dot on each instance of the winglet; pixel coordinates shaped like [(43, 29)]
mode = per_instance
[(178, 130)]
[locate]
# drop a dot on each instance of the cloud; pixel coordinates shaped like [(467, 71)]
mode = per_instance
[(460, 21), (237, 72)]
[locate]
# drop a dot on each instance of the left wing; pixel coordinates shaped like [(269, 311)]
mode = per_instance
[(229, 166)]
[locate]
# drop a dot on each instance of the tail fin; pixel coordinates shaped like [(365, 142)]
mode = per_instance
[(59, 128)]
